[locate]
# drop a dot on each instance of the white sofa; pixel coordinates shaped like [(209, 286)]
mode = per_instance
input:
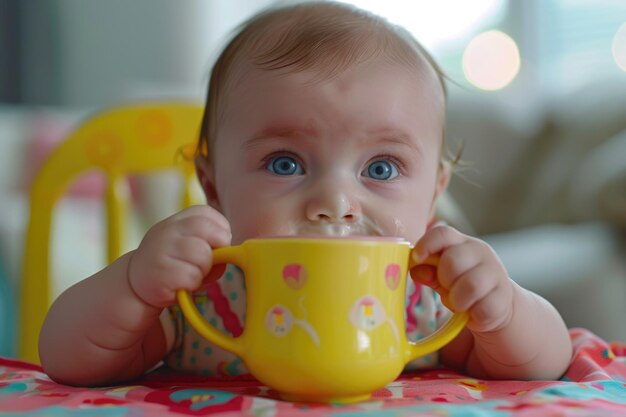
[(546, 187)]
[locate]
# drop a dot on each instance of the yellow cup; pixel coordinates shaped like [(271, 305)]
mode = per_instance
[(325, 316)]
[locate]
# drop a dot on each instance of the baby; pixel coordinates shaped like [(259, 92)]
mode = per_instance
[(320, 119)]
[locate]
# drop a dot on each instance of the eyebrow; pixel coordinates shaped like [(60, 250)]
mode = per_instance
[(395, 136), (282, 132), (383, 135)]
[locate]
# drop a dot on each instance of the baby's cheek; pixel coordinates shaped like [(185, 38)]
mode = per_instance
[(241, 227), (409, 229)]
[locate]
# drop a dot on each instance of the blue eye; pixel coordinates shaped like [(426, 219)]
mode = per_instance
[(381, 170), (284, 165)]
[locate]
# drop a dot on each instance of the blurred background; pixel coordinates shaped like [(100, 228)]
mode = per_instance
[(537, 98)]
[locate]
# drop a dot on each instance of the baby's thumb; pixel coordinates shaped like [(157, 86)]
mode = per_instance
[(215, 273), (425, 275)]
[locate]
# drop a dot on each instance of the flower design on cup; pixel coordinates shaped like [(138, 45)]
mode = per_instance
[(367, 313), (392, 276), (279, 321), (295, 276)]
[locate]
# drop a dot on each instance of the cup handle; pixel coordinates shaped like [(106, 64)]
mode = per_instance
[(445, 333), (230, 254)]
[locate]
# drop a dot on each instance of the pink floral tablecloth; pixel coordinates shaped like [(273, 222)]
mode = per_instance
[(594, 385)]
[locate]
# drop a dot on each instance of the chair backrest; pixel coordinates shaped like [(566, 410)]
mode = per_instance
[(7, 315), (121, 141)]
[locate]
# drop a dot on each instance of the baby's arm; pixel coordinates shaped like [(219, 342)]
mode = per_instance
[(512, 333), (106, 328)]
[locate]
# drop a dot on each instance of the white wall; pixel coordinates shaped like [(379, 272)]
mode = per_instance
[(102, 52)]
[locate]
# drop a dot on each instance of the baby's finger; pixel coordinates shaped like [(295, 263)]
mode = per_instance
[(215, 273), (190, 276), (202, 211), (157, 288), (192, 250), (471, 287), (425, 275), (457, 260), (196, 251), (435, 241), (206, 229), (491, 312)]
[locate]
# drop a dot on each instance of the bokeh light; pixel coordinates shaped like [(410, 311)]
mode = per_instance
[(491, 60), (619, 47)]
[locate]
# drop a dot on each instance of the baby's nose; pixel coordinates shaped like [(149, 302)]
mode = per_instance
[(333, 202)]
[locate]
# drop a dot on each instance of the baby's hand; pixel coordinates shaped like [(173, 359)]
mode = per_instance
[(176, 254), (472, 275)]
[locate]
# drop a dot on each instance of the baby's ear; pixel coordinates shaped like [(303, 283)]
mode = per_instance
[(206, 177)]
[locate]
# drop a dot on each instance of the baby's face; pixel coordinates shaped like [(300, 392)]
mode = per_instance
[(357, 154)]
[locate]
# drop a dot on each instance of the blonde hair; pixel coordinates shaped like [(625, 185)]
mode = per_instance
[(326, 36)]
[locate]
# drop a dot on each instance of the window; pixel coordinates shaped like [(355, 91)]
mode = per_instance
[(576, 39)]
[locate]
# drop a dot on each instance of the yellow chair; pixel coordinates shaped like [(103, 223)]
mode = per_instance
[(122, 141)]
